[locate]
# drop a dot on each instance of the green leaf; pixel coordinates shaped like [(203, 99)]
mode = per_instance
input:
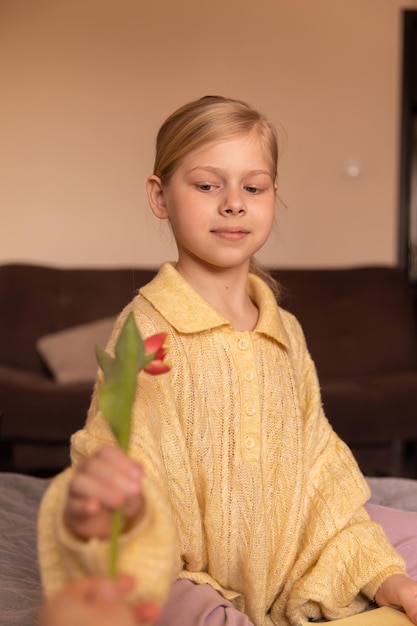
[(104, 360), (117, 394)]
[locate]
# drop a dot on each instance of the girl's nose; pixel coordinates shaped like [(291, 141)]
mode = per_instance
[(233, 204)]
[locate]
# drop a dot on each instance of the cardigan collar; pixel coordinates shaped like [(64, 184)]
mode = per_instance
[(188, 312)]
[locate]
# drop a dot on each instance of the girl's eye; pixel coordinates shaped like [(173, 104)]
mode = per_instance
[(205, 187), (252, 190)]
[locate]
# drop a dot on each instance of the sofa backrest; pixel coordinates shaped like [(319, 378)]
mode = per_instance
[(37, 300), (357, 321)]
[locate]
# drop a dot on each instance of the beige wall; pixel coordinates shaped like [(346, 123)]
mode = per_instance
[(85, 85)]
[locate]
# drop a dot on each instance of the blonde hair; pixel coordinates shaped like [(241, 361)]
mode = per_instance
[(208, 119), (212, 118)]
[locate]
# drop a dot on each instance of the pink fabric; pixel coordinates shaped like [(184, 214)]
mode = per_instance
[(199, 605), (401, 529)]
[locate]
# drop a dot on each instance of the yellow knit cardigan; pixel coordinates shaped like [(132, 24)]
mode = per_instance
[(248, 488)]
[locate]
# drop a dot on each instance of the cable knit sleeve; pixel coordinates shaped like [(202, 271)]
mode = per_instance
[(344, 556), (148, 551)]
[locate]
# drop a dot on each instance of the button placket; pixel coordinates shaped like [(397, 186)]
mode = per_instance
[(250, 411)]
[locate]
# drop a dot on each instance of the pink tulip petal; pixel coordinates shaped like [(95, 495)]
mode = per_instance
[(155, 343), (157, 367)]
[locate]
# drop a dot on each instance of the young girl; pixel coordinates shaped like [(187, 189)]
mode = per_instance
[(236, 488)]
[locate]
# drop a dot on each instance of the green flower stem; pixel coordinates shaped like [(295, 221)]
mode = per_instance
[(116, 529), (117, 516)]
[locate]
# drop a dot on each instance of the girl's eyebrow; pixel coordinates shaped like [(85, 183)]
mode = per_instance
[(218, 170)]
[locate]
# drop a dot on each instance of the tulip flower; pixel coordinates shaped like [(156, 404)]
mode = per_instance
[(156, 347), (118, 393)]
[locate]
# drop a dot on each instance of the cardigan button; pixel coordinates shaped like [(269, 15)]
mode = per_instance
[(249, 443), (250, 409), (249, 375), (243, 344)]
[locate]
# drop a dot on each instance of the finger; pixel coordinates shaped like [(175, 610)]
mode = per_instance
[(146, 611), (98, 588), (106, 589), (84, 588), (108, 478), (112, 465), (126, 583), (114, 454), (92, 486), (410, 607), (83, 507)]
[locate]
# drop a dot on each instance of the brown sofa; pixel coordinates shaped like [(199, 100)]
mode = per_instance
[(358, 322), (361, 332), (38, 413)]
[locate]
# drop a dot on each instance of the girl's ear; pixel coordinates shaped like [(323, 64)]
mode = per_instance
[(156, 197)]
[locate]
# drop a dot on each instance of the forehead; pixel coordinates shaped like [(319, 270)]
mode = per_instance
[(244, 150)]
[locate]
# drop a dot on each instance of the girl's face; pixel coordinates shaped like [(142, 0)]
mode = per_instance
[(220, 202)]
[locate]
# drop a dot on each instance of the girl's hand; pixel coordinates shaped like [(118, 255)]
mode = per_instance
[(399, 590), (96, 602), (107, 480)]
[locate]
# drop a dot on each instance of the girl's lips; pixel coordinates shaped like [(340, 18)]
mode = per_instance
[(230, 234)]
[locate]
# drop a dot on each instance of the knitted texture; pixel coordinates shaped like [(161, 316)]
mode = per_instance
[(266, 501), (147, 551)]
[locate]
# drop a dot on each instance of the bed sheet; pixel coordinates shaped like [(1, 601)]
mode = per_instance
[(20, 588)]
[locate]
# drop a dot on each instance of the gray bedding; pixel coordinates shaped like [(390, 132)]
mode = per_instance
[(20, 591)]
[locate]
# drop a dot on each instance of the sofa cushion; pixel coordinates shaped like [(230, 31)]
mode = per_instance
[(70, 353)]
